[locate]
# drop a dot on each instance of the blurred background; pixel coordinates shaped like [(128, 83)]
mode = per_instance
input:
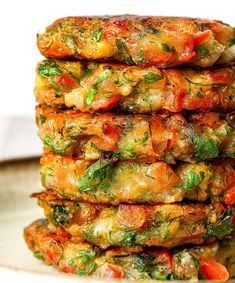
[(21, 20)]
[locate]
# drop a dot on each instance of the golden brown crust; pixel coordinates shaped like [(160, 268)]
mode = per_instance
[(160, 41)]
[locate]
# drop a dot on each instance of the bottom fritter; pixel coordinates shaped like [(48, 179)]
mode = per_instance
[(129, 225), (214, 261)]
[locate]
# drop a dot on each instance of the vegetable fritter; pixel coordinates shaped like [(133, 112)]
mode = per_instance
[(111, 181), (132, 263), (130, 225), (190, 138), (91, 87), (136, 40)]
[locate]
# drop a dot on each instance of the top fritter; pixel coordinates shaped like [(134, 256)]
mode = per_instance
[(136, 40)]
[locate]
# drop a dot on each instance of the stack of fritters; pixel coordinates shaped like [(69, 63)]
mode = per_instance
[(138, 164)]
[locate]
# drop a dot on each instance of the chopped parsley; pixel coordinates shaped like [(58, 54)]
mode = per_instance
[(129, 239), (94, 89), (199, 94), (49, 68), (62, 214), (192, 179), (198, 84), (202, 51), (168, 48), (123, 50), (42, 119), (95, 173), (205, 148), (97, 34), (38, 255), (91, 95), (150, 78), (84, 257), (222, 228), (141, 57), (54, 85)]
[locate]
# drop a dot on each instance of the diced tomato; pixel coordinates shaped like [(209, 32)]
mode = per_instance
[(109, 35), (229, 197), (164, 257), (113, 271), (213, 270), (109, 141), (171, 142), (61, 232), (122, 26), (132, 216), (51, 242), (202, 37), (180, 97), (223, 76), (68, 269), (67, 83)]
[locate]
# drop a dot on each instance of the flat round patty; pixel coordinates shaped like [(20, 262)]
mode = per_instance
[(190, 138), (164, 225), (131, 263), (136, 40), (91, 87), (113, 181)]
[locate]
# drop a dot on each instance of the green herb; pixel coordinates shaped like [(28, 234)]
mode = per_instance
[(91, 95), (67, 87), (143, 262), (123, 50), (192, 179), (141, 57), (151, 29), (42, 119), (199, 84), (199, 94), (54, 85), (205, 148), (97, 34), (95, 173), (104, 187), (228, 131), (62, 214), (49, 68), (90, 268), (196, 262), (203, 51), (165, 230), (81, 272), (86, 255), (38, 255), (168, 48), (232, 40), (222, 228), (147, 175), (150, 78), (141, 35), (47, 140), (189, 89), (83, 257), (94, 89), (129, 239), (87, 72), (146, 137), (59, 146), (107, 68)]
